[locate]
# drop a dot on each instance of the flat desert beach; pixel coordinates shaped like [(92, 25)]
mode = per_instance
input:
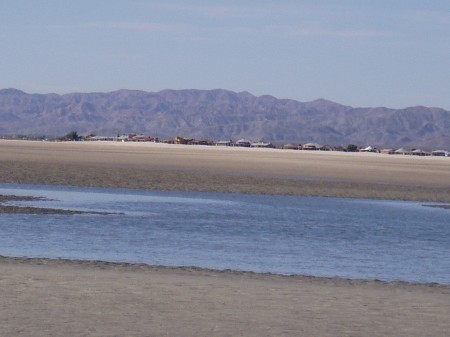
[(44, 297), (224, 169)]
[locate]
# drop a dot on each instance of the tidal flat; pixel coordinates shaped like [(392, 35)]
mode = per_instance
[(66, 297)]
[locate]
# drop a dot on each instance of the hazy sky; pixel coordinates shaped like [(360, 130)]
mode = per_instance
[(393, 53)]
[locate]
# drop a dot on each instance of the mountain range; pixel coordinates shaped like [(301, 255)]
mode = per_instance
[(221, 115)]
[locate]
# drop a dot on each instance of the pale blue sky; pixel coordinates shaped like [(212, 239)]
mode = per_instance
[(393, 53)]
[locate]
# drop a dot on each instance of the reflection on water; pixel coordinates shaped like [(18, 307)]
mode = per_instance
[(353, 238)]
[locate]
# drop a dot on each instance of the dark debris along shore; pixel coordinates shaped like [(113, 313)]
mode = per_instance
[(14, 209)]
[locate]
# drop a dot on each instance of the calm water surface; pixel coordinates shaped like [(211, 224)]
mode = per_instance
[(352, 238)]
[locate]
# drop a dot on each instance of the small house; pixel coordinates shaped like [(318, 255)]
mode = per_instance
[(368, 149), (224, 143), (243, 143), (312, 147), (262, 145), (440, 153), (402, 151), (419, 152), (292, 146)]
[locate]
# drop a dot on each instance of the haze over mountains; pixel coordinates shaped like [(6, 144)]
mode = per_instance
[(220, 115)]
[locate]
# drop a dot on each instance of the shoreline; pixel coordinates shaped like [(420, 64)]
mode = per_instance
[(17, 209), (144, 267)]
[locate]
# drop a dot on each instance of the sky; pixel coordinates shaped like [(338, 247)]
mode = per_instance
[(362, 53)]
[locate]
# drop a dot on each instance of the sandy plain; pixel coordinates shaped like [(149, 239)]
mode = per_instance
[(42, 297), (202, 168)]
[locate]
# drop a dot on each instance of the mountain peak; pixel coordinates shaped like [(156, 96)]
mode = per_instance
[(12, 91), (324, 103)]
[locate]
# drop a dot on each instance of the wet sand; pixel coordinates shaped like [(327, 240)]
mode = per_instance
[(15, 209), (73, 298), (42, 297)]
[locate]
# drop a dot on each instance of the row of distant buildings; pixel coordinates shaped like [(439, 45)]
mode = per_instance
[(179, 140), (133, 137), (417, 152), (400, 151), (263, 144)]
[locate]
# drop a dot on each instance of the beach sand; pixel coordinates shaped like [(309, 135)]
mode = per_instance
[(215, 169), (72, 298), (42, 297)]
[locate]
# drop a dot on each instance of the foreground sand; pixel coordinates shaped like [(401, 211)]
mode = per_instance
[(199, 168), (70, 298)]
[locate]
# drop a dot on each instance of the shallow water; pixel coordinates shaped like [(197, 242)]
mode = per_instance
[(352, 238)]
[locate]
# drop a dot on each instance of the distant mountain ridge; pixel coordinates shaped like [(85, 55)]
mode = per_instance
[(221, 114)]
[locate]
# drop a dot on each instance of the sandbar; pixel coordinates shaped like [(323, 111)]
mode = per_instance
[(231, 170)]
